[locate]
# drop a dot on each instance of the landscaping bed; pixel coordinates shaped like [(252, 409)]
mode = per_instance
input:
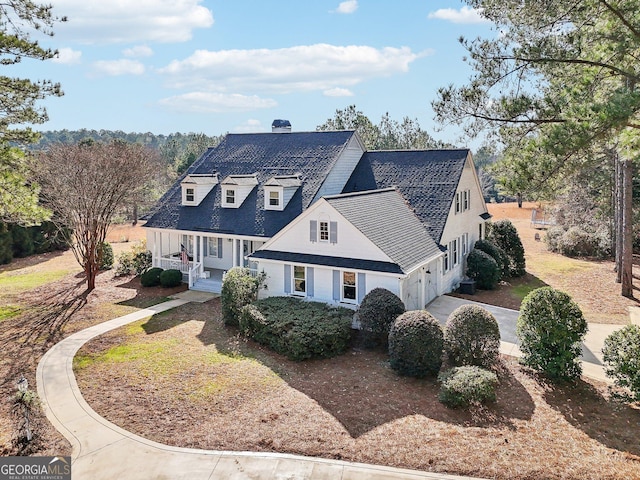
[(183, 378)]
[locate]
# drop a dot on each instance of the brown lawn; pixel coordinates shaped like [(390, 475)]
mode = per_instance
[(182, 378)]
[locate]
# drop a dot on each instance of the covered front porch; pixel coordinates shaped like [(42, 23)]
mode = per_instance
[(203, 258)]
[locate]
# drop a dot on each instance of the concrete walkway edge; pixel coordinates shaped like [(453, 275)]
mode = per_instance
[(102, 450)]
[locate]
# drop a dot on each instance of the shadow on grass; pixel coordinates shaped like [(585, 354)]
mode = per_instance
[(611, 423), (147, 296)]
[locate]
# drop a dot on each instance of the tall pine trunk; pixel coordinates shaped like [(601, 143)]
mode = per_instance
[(627, 229), (617, 216)]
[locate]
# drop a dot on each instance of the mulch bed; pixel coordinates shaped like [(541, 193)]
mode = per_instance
[(354, 407)]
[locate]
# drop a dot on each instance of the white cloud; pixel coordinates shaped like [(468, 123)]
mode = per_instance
[(338, 92), (124, 21), (465, 15), (250, 126), (348, 6), (301, 68), (67, 56), (208, 102), (138, 51), (113, 68)]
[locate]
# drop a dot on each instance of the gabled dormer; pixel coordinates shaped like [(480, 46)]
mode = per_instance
[(236, 188), (197, 186), (279, 189)]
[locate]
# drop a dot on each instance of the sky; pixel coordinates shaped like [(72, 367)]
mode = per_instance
[(213, 67)]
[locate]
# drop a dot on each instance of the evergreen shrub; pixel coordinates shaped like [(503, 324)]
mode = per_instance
[(551, 328), (377, 312), (105, 256), (482, 268), (467, 385), (472, 337), (621, 355), (296, 328), (170, 278), (495, 252), (416, 344), (505, 236), (239, 288), (151, 278)]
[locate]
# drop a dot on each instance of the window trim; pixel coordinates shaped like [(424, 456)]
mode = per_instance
[(189, 192), (294, 289), (343, 285), (230, 193), (322, 233), (272, 198)]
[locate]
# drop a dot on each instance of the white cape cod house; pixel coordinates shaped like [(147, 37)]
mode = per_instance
[(322, 217)]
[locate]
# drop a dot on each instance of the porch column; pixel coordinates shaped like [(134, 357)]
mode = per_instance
[(234, 250), (201, 253)]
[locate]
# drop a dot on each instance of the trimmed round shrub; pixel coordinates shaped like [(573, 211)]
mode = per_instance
[(239, 288), (377, 312), (171, 278), (467, 385), (472, 336), (505, 236), (621, 355), (551, 328), (482, 268), (416, 344), (495, 252), (105, 256), (151, 278)]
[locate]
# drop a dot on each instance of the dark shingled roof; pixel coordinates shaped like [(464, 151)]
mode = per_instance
[(427, 179), (310, 154), (338, 262), (384, 218)]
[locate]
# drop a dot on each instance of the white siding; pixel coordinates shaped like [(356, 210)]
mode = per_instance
[(322, 281), (465, 221), (351, 242), (341, 171)]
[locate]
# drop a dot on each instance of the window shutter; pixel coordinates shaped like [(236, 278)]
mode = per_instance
[(309, 280), (336, 285), (362, 286), (333, 232), (287, 279), (220, 247), (313, 231), (205, 247)]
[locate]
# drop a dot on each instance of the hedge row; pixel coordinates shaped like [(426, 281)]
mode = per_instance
[(296, 328)]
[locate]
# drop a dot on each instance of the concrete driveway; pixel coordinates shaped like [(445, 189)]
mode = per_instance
[(442, 307)]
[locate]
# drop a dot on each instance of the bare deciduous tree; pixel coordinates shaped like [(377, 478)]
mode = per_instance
[(85, 185)]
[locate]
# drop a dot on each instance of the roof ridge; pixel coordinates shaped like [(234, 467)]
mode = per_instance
[(364, 192)]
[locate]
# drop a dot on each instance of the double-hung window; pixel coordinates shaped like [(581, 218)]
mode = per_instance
[(324, 231), (190, 195), (274, 198), (299, 280), (349, 286), (230, 197)]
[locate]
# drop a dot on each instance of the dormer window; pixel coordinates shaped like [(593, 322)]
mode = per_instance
[(196, 187), (236, 188), (279, 190)]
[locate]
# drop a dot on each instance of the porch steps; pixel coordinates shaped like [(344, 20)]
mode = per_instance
[(207, 285)]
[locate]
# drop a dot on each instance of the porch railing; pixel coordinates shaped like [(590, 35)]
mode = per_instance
[(174, 263), (194, 274)]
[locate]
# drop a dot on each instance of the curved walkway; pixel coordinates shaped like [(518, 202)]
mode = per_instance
[(102, 450)]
